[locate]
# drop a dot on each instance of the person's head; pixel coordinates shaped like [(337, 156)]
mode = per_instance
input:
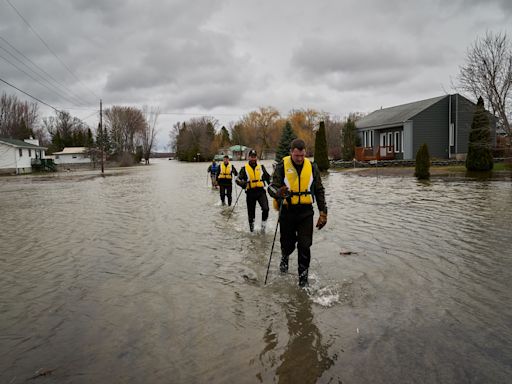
[(298, 151), (252, 156), (226, 159), (213, 161)]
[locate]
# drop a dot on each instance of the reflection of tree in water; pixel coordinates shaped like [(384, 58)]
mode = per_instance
[(305, 358)]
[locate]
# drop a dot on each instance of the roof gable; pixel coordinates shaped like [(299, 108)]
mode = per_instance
[(19, 143), (396, 115), (71, 151)]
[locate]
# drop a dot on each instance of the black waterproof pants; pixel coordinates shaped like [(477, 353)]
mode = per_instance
[(257, 195), (226, 190), (296, 224)]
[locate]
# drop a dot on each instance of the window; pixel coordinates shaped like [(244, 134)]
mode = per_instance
[(20, 150), (398, 142), (29, 152), (390, 139)]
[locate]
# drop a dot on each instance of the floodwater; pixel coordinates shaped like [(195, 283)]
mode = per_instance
[(143, 277)]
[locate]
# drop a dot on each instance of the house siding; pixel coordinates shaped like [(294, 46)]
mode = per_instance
[(431, 127)]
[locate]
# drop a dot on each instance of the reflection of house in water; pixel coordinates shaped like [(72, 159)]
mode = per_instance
[(443, 123)]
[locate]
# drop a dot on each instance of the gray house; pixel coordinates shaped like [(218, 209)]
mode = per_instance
[(443, 123)]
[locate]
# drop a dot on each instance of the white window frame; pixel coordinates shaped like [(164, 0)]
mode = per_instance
[(390, 140), (398, 143)]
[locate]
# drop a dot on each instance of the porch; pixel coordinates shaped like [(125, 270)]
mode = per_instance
[(380, 152)]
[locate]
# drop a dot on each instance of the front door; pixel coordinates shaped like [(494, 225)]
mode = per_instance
[(383, 144)]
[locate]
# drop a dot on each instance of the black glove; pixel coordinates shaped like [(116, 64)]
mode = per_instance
[(241, 183)]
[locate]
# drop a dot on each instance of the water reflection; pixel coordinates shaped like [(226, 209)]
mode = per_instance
[(306, 355)]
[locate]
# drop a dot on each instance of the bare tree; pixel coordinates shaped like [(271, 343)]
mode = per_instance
[(488, 73), (149, 130), (17, 118), (123, 124)]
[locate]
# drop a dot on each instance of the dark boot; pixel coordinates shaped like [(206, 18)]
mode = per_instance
[(283, 266), (251, 226), (303, 279)]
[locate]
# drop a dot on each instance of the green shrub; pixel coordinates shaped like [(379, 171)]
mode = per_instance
[(422, 170)]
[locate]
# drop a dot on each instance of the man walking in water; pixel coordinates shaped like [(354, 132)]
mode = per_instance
[(225, 179), (296, 183), (212, 170), (252, 177)]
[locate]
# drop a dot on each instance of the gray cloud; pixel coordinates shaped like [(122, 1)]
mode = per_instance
[(237, 55)]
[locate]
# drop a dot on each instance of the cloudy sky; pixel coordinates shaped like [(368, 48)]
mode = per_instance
[(225, 58)]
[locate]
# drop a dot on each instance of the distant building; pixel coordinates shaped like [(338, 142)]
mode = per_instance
[(443, 123), (72, 155), (17, 156)]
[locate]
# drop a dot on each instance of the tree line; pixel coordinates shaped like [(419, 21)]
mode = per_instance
[(199, 139), (128, 133)]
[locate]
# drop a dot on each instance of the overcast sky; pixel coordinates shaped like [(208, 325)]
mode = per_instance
[(225, 58)]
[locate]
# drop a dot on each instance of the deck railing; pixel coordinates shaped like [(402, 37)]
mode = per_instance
[(375, 153)]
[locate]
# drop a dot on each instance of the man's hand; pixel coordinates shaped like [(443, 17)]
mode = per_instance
[(241, 183), (322, 220), (283, 192)]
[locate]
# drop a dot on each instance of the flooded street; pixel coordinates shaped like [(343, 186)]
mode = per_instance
[(139, 277)]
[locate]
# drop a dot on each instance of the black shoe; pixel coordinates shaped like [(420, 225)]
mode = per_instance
[(283, 266), (303, 279), (251, 227), (223, 203)]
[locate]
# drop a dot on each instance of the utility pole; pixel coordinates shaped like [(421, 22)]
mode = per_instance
[(102, 138)]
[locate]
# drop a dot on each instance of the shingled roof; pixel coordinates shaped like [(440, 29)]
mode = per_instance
[(396, 115), (19, 143)]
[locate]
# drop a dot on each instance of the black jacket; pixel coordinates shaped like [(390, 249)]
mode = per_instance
[(243, 178), (223, 181)]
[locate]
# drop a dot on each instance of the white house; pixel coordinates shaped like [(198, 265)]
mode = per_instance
[(72, 155), (16, 156)]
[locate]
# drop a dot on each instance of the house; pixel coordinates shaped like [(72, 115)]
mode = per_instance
[(72, 155), (18, 156), (443, 123)]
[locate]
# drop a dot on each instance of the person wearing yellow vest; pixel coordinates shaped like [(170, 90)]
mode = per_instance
[(252, 178), (225, 179), (296, 184)]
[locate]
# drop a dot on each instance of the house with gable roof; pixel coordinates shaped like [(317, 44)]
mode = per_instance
[(443, 123), (18, 156)]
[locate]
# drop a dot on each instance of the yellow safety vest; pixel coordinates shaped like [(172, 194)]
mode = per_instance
[(225, 171), (299, 186), (254, 176)]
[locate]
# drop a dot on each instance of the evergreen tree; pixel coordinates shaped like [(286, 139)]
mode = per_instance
[(321, 157), (422, 171), (89, 142), (479, 156), (224, 137), (287, 137), (350, 140)]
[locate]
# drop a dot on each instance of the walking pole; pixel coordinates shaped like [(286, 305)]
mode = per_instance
[(273, 242), (234, 205)]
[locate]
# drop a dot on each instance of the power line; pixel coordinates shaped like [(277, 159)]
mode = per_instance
[(33, 78), (60, 84), (49, 49), (29, 95)]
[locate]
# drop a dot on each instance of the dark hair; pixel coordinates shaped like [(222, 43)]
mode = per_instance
[(226, 156), (299, 144)]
